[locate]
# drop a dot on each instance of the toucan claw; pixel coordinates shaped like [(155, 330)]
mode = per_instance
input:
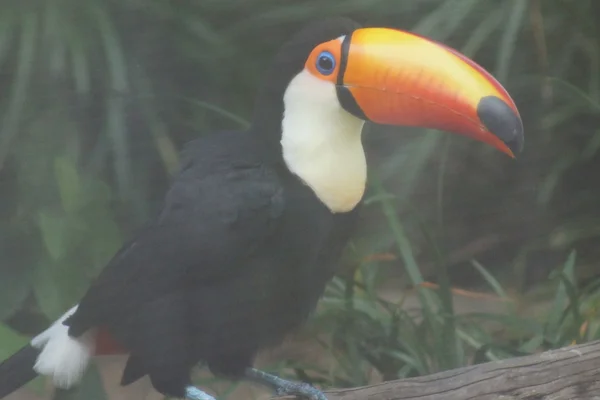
[(284, 387)]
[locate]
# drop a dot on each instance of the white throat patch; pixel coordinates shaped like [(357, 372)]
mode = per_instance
[(322, 144)]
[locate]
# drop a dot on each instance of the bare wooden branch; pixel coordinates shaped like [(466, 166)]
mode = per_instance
[(571, 373)]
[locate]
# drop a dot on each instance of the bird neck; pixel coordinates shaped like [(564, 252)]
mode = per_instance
[(321, 143)]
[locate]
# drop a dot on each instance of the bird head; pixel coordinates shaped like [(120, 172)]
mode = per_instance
[(393, 77)]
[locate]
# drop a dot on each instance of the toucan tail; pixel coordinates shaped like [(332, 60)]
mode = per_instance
[(17, 370), (52, 353)]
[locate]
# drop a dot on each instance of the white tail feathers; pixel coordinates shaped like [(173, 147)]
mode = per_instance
[(63, 358)]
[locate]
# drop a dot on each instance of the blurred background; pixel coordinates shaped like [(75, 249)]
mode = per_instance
[(463, 256)]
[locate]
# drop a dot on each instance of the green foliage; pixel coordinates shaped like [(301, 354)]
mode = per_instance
[(98, 96), (367, 332), (79, 238), (10, 340)]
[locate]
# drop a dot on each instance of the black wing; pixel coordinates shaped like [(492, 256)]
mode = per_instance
[(220, 209)]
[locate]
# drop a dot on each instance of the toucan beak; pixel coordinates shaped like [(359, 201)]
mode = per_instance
[(400, 78)]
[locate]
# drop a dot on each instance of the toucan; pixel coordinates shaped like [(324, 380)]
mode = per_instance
[(253, 225)]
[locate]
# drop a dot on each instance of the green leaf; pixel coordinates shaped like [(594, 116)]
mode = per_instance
[(561, 300), (54, 233), (69, 184), (10, 341), (79, 65), (576, 92), (533, 344), (106, 243), (60, 284), (7, 32), (15, 284), (510, 38), (47, 292), (16, 267), (243, 123), (20, 83), (115, 105)]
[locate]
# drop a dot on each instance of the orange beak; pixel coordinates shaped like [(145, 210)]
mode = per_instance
[(399, 78)]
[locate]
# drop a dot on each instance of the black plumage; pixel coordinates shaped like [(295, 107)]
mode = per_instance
[(238, 257), (12, 374)]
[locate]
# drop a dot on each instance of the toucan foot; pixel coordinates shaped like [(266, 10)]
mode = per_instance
[(283, 387), (193, 393)]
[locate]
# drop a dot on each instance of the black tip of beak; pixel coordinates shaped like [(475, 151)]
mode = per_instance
[(502, 121)]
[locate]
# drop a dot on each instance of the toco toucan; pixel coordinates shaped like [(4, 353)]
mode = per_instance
[(254, 223)]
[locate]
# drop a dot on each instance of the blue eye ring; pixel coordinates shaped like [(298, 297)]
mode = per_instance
[(325, 63)]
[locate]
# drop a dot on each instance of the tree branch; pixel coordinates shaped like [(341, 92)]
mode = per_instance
[(570, 373)]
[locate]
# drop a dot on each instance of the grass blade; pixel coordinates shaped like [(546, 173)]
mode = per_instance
[(25, 63), (509, 38)]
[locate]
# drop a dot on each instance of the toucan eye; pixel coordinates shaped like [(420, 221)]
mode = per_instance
[(325, 63)]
